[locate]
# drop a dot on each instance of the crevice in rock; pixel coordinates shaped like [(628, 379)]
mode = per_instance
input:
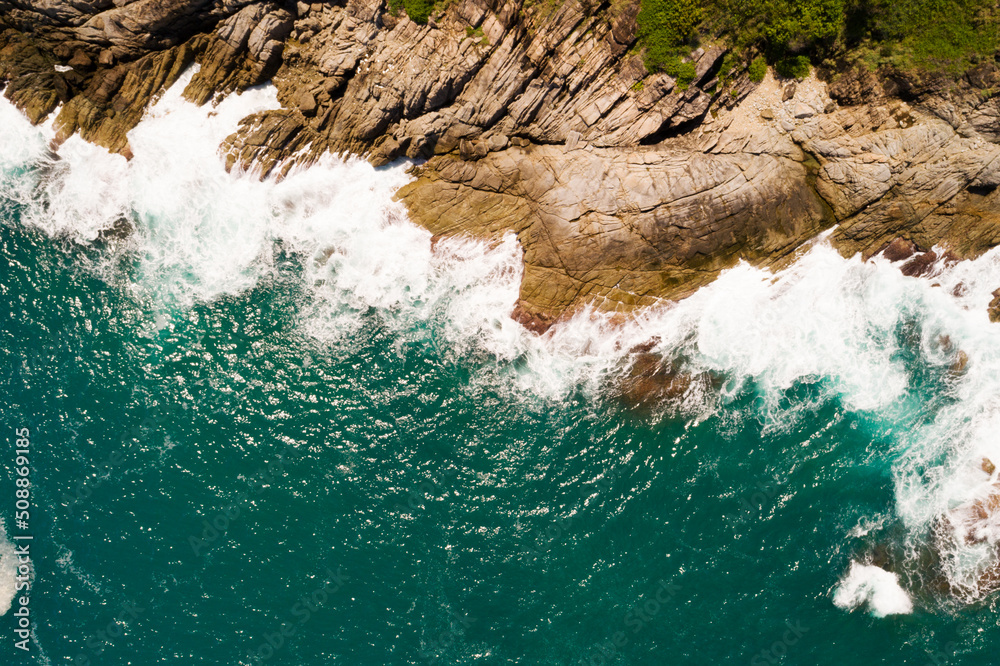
[(667, 132), (981, 190), (712, 72), (812, 166)]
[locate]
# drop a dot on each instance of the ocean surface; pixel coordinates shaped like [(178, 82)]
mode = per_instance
[(269, 424)]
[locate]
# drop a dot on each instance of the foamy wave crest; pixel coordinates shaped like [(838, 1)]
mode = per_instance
[(200, 231), (921, 354), (23, 147), (8, 572), (879, 590)]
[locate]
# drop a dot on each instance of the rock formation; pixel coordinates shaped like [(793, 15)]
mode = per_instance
[(540, 119)]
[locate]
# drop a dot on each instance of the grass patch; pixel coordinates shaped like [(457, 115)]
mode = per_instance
[(477, 34), (666, 30), (929, 35), (793, 67), (939, 35), (419, 11)]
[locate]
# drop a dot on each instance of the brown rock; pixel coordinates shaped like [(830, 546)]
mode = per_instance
[(307, 104), (994, 307), (960, 363), (472, 150), (803, 110), (496, 142), (899, 249), (386, 152), (244, 50), (920, 265), (533, 321), (601, 227), (856, 85), (988, 466), (116, 98), (652, 380), (81, 61), (263, 139), (923, 264)]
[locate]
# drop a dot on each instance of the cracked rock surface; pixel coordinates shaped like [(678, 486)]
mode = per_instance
[(620, 228)]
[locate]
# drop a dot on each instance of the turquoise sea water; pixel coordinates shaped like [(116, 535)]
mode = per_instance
[(269, 425)]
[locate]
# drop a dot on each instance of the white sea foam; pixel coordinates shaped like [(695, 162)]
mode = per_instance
[(866, 525), (8, 572), (79, 194), (879, 590), (23, 145), (21, 142)]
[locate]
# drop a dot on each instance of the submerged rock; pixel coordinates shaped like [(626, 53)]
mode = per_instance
[(900, 249), (959, 365), (975, 523), (926, 263), (651, 380), (959, 557)]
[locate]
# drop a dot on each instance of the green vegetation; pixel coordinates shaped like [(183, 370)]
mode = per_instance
[(793, 67), (477, 34), (758, 69), (730, 63), (418, 10), (933, 35), (944, 35), (779, 27), (667, 29)]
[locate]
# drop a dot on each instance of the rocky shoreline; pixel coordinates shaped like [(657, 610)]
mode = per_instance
[(623, 187)]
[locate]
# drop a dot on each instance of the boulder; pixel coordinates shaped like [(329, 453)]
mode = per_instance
[(994, 307), (803, 110), (899, 249), (306, 103), (80, 61)]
